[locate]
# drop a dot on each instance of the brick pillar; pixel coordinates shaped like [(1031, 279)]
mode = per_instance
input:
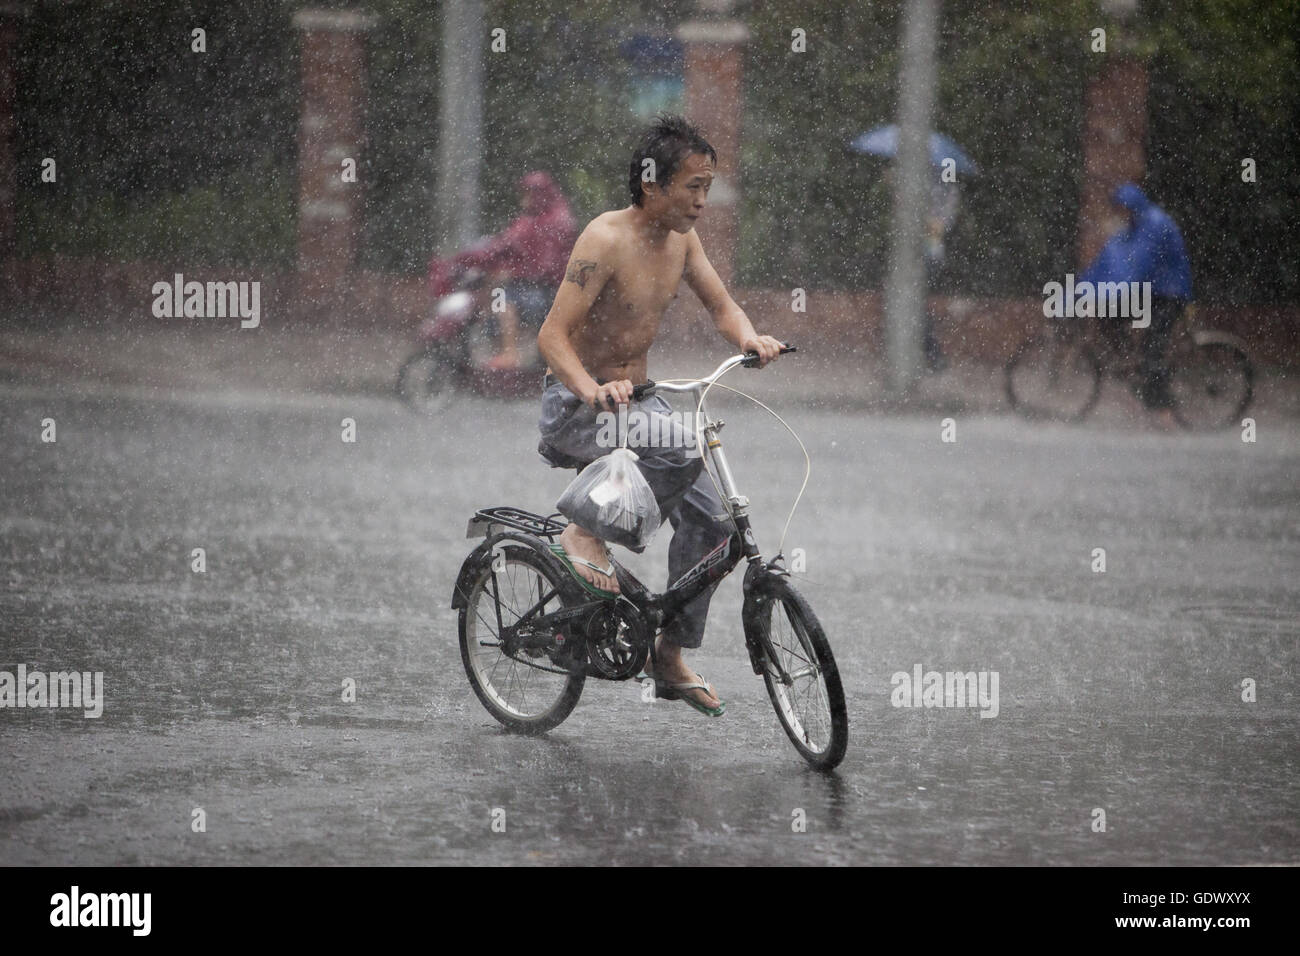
[(1114, 144), (10, 14), (330, 130), (714, 68)]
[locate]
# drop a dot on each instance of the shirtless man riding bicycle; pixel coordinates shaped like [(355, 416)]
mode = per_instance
[(624, 271)]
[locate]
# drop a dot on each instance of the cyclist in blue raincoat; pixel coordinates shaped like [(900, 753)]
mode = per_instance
[(1149, 249)]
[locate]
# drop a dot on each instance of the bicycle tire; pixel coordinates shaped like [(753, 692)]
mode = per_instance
[(1033, 382), (806, 643), (494, 691), (1234, 363)]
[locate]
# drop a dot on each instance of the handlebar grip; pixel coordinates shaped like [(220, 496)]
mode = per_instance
[(752, 357), (639, 390)]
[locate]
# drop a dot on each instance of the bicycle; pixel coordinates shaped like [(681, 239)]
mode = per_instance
[(527, 627), (1057, 373)]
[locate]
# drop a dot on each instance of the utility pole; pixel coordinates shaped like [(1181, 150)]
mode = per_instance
[(460, 133), (905, 286)]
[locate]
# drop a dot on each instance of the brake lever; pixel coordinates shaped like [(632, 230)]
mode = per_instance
[(751, 358)]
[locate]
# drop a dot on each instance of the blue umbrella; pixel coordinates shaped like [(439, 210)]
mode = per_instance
[(883, 141)]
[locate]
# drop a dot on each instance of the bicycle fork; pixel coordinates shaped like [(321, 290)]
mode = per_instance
[(754, 621)]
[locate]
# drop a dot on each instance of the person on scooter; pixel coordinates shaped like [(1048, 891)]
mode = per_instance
[(529, 256)]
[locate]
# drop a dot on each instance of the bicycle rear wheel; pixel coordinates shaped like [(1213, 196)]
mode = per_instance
[(1213, 385), (809, 701), (1053, 376), (527, 686)]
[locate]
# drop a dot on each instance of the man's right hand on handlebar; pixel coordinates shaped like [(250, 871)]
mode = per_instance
[(609, 396)]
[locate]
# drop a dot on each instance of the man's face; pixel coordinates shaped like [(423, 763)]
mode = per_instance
[(681, 202)]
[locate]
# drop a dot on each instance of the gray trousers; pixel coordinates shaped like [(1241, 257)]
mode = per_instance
[(573, 436)]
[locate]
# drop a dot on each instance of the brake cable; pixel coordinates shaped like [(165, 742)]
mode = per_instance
[(780, 548)]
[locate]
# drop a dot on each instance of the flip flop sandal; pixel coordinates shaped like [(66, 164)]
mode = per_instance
[(569, 562), (667, 690)]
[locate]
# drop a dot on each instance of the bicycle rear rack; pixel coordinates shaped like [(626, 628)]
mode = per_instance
[(482, 523)]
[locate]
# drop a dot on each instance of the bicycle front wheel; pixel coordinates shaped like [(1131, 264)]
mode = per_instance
[(805, 688), (1054, 377), (1212, 386)]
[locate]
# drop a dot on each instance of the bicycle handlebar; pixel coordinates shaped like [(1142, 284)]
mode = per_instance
[(752, 357), (747, 359)]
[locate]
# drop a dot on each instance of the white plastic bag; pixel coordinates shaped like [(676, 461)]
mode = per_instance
[(611, 499)]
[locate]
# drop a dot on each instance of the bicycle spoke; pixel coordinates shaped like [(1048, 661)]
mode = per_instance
[(801, 694)]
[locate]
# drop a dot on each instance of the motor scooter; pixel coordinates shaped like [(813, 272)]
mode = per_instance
[(456, 343)]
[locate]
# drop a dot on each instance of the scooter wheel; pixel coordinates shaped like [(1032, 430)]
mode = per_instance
[(425, 382)]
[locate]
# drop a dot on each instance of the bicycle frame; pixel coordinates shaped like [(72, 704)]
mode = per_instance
[(1116, 346), (654, 608), (1108, 340), (722, 560)]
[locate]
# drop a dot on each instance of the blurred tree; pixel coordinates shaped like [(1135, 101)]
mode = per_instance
[(163, 152), (160, 150), (401, 152), (1225, 84), (562, 98), (1010, 89)]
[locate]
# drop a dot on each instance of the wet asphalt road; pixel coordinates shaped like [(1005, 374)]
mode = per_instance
[(329, 561)]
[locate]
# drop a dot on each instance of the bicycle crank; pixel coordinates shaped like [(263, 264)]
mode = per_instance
[(617, 642)]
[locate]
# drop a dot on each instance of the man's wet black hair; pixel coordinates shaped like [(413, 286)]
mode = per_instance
[(668, 141)]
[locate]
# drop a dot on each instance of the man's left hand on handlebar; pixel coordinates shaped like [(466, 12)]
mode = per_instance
[(766, 346)]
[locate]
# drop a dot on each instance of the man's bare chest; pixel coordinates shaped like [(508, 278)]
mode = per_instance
[(645, 286)]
